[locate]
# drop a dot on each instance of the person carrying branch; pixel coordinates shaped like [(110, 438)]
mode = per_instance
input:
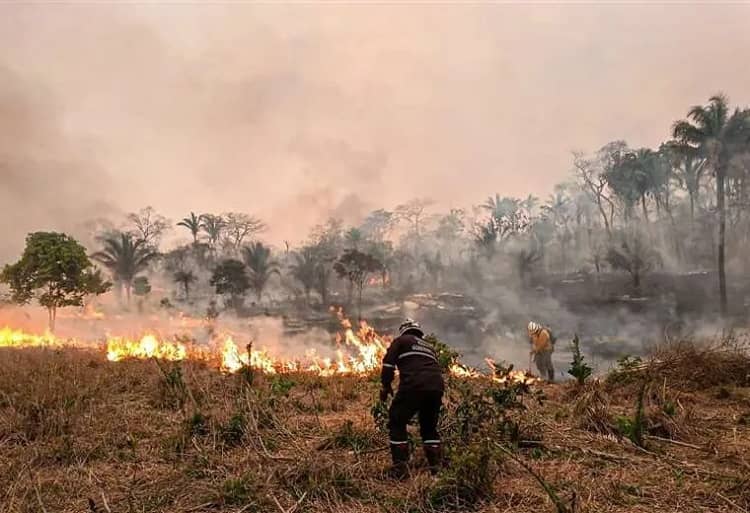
[(420, 391), (542, 345)]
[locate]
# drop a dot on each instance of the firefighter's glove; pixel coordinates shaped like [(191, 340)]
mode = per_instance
[(384, 393)]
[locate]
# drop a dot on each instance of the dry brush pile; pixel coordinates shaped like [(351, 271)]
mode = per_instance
[(79, 434)]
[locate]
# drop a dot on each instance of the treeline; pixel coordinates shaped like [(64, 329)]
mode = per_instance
[(680, 206)]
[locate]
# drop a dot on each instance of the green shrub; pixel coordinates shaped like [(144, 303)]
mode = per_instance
[(578, 368)]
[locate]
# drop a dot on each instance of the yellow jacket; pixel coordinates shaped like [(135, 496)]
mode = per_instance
[(541, 341)]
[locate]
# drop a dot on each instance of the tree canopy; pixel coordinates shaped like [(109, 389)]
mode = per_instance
[(54, 269)]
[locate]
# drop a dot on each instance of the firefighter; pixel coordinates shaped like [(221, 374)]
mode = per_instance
[(542, 344), (420, 391)]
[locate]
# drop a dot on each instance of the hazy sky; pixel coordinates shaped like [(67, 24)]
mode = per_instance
[(295, 112)]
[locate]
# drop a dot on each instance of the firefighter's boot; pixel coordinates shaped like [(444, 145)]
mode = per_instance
[(400, 457), (434, 454)]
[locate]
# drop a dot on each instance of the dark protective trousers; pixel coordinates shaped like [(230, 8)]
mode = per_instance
[(408, 403), (543, 360)]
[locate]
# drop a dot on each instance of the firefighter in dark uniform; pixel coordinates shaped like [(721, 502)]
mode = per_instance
[(420, 391)]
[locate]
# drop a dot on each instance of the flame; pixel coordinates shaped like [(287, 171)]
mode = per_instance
[(17, 338), (147, 347), (497, 375), (358, 352)]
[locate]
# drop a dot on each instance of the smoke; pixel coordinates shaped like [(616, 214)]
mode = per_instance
[(261, 108), (47, 182)]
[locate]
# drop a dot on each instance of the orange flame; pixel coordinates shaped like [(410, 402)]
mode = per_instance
[(358, 352), (147, 347), (17, 338)]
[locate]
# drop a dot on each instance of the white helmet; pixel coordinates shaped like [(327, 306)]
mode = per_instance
[(534, 327), (410, 325)]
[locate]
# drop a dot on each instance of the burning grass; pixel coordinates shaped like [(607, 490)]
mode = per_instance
[(80, 433)]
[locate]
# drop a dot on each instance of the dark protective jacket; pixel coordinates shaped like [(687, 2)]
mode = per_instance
[(417, 363)]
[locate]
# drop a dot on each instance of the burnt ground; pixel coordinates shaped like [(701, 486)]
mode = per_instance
[(79, 434)]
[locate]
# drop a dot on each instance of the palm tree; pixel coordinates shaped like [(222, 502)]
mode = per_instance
[(506, 212), (558, 210), (689, 166), (185, 278), (125, 257), (213, 225), (304, 270), (529, 204), (192, 223), (717, 135), (260, 266)]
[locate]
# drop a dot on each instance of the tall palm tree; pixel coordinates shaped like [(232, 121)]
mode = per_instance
[(260, 266), (304, 270), (530, 204), (689, 167), (506, 212), (125, 257), (214, 226), (717, 134), (192, 223)]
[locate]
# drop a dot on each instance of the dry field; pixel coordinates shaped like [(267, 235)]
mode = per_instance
[(80, 434)]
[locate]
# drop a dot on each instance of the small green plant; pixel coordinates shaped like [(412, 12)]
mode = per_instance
[(350, 437), (234, 430), (197, 425), (447, 356), (468, 481), (281, 385), (669, 408), (174, 388), (379, 412), (240, 491), (578, 368), (635, 427)]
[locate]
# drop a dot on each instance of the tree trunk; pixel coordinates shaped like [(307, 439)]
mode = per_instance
[(52, 313), (349, 293), (359, 303), (643, 205), (720, 198), (127, 293), (691, 194)]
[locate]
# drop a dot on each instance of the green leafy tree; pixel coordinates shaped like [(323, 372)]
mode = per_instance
[(125, 257), (54, 269), (231, 281), (260, 266), (356, 266), (193, 224), (718, 134)]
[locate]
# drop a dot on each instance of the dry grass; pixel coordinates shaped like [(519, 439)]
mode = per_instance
[(78, 434)]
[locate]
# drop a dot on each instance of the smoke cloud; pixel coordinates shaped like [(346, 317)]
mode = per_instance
[(296, 112)]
